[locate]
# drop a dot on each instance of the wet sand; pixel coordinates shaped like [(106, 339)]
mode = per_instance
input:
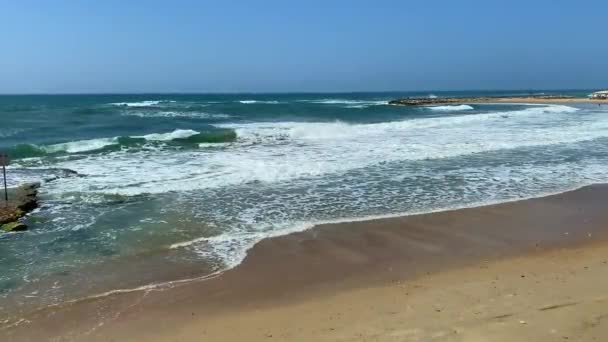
[(513, 271)]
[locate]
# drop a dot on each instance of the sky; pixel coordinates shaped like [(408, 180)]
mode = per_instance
[(300, 46)]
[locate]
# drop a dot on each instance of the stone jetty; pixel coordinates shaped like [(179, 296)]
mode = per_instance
[(436, 101), (22, 200)]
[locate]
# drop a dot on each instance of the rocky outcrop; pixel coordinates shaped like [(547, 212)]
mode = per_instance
[(22, 200)]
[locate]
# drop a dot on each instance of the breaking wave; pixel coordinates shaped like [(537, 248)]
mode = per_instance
[(258, 101), (141, 103), (178, 114), (454, 108), (349, 103), (177, 137)]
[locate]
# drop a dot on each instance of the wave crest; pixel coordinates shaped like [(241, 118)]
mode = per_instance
[(176, 137), (258, 101), (453, 108), (148, 103), (349, 103)]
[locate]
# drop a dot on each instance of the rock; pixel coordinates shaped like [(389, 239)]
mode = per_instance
[(61, 173), (25, 197), (9, 214), (427, 101), (32, 185), (22, 200), (13, 227)]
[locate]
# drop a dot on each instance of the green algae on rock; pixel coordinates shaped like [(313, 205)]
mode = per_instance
[(22, 200)]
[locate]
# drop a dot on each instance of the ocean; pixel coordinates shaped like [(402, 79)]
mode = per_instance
[(138, 190)]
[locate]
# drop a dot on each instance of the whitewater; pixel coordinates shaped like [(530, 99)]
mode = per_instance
[(193, 181)]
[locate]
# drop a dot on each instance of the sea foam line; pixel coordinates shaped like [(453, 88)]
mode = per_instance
[(145, 288), (161, 286), (303, 226)]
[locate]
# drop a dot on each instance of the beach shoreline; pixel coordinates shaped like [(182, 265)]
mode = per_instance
[(332, 259)]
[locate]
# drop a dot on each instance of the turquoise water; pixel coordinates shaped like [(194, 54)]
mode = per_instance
[(138, 189)]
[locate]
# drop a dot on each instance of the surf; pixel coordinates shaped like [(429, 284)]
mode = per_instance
[(177, 137)]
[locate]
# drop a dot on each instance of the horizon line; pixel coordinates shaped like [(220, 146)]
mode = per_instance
[(290, 92)]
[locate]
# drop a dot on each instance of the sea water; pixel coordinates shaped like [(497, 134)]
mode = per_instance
[(141, 189)]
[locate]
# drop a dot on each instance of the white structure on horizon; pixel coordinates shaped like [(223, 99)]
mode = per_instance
[(600, 95)]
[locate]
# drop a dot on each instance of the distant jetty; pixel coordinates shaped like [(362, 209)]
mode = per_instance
[(428, 101), (22, 200)]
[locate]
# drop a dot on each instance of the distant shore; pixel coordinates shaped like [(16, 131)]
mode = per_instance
[(499, 271), (484, 99)]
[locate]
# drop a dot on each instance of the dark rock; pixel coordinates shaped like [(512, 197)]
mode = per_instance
[(22, 200), (13, 227)]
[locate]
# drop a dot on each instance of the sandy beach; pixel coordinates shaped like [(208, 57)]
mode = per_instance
[(513, 271), (557, 295), (306, 171)]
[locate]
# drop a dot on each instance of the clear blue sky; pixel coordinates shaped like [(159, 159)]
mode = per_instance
[(312, 45)]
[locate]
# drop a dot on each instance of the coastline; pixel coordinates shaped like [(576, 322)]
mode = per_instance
[(332, 259)]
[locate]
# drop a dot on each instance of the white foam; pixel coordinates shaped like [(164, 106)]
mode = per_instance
[(282, 151), (148, 103), (234, 246), (177, 114), (177, 134), (454, 108), (215, 145), (349, 103), (80, 145), (300, 161), (258, 101), (96, 144)]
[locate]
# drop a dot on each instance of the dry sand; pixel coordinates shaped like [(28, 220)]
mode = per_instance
[(533, 269), (554, 296)]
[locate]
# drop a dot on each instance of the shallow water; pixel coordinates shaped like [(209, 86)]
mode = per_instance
[(181, 185)]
